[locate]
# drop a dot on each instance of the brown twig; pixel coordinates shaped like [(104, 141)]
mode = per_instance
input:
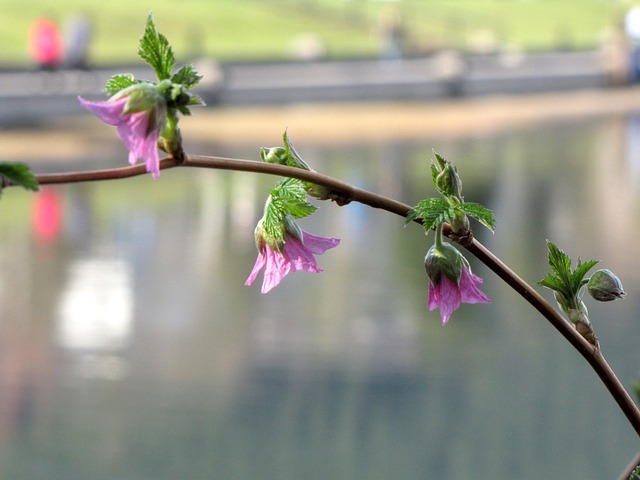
[(346, 193)]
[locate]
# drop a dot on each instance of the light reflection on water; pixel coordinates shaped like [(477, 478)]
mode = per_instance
[(129, 347)]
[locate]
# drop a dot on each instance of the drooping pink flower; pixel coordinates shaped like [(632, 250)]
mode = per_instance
[(297, 255), (138, 130), (448, 295), (450, 280)]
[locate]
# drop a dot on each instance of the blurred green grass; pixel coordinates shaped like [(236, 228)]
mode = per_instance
[(268, 29)]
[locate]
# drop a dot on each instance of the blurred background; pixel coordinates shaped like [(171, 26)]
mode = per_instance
[(129, 347)]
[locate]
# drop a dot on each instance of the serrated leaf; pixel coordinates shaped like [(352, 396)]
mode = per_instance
[(19, 174), (299, 210), (432, 211), (288, 198), (187, 76), (554, 283), (273, 221), (480, 213), (155, 50), (577, 276), (565, 279), (119, 82), (559, 262), (195, 100)]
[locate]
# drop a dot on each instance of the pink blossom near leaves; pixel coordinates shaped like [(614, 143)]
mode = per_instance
[(137, 130), (296, 256), (448, 295)]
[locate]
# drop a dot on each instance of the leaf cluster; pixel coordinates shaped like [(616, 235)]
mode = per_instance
[(435, 211), (564, 279), (19, 174), (287, 199), (155, 49)]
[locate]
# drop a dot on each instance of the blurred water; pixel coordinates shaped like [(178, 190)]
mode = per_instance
[(130, 349)]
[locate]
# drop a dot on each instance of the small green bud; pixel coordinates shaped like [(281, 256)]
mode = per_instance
[(277, 155), (448, 182), (318, 191), (604, 286), (460, 225)]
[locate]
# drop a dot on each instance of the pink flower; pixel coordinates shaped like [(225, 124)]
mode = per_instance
[(448, 295), (296, 255), (138, 130), (450, 280)]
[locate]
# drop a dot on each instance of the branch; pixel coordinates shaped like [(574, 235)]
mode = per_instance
[(344, 193)]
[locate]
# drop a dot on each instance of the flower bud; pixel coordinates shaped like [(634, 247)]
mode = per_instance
[(443, 259), (460, 225), (604, 286), (448, 182), (277, 155), (318, 191)]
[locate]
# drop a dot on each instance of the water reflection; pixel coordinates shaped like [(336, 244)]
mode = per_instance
[(129, 347)]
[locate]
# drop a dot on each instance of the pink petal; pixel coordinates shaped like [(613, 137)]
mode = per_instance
[(299, 256), (295, 256), (109, 112), (276, 269), (468, 288), (318, 245), (449, 298), (133, 129), (260, 262)]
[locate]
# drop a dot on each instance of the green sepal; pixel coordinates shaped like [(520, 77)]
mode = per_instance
[(155, 50), (119, 82), (294, 160), (19, 174), (143, 97)]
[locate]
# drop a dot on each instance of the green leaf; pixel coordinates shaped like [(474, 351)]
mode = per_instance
[(480, 213), (559, 262), (565, 279), (19, 174), (288, 198), (186, 76), (551, 282), (119, 82), (155, 50), (432, 211), (577, 277)]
